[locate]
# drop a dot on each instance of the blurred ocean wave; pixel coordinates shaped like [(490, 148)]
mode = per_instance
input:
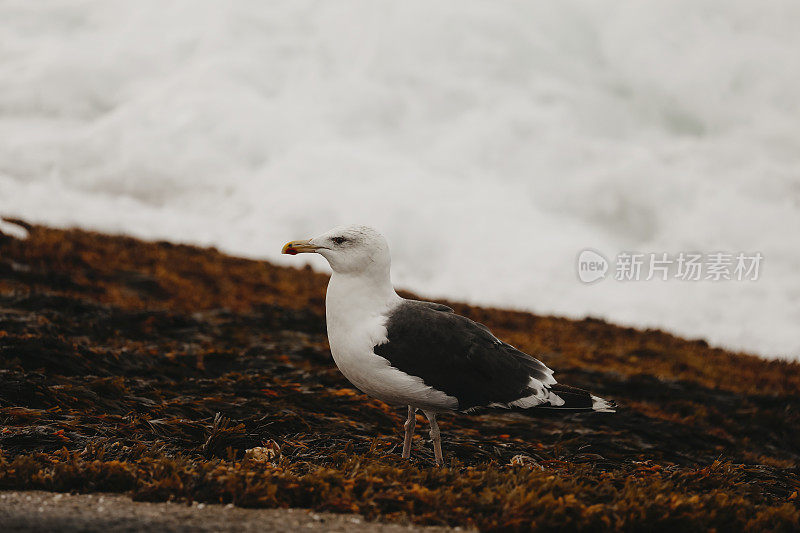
[(491, 142)]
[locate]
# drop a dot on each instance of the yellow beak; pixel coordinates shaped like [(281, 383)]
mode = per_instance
[(298, 247)]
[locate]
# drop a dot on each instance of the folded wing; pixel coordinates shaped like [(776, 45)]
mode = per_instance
[(463, 359)]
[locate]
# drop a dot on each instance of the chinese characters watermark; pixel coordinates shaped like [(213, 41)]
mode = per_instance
[(682, 266)]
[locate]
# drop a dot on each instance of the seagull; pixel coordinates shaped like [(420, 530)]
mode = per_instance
[(422, 354)]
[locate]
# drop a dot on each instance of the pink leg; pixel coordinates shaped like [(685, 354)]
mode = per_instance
[(411, 422), (436, 438)]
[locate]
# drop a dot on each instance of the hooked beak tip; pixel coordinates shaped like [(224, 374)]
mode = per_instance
[(298, 247)]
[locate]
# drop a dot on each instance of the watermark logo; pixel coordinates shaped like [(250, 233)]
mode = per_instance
[(682, 266), (592, 266)]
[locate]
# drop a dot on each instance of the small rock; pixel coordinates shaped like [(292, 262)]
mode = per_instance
[(13, 229), (263, 454)]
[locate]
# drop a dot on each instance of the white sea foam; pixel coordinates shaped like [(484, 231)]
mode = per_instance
[(490, 141)]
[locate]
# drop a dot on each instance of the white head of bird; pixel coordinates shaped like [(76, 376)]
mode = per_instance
[(354, 250)]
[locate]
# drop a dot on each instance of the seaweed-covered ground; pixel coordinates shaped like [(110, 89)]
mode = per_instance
[(150, 368)]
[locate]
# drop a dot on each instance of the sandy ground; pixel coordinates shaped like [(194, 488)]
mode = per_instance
[(48, 511)]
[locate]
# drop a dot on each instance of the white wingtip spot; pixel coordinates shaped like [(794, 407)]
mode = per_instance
[(602, 406), (549, 379), (556, 400)]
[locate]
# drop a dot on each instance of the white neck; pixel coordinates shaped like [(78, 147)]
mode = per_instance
[(355, 297)]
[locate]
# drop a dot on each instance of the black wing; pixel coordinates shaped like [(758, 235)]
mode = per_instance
[(460, 357)]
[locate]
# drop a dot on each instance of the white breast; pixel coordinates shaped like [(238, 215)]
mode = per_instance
[(356, 317)]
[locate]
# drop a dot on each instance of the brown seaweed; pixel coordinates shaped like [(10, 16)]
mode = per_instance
[(151, 368)]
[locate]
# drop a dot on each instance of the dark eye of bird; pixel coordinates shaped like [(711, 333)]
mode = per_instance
[(339, 240)]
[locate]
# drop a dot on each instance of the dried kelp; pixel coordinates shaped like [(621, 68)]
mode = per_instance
[(152, 368)]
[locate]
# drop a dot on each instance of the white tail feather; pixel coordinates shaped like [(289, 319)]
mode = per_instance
[(602, 406)]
